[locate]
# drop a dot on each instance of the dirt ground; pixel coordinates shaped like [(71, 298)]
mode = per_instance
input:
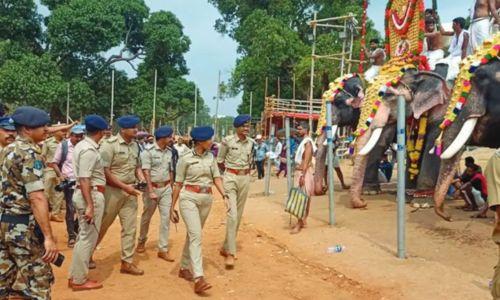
[(445, 260)]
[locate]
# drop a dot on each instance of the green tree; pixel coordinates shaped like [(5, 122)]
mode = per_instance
[(275, 41), (20, 23)]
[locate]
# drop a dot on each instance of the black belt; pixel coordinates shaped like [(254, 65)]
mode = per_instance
[(15, 219)]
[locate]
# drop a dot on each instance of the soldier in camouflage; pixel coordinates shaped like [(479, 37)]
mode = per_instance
[(7, 132), (25, 252)]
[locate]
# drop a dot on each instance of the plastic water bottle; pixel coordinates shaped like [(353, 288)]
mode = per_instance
[(336, 249)]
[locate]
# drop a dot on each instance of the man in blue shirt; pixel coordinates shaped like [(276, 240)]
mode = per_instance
[(261, 149)]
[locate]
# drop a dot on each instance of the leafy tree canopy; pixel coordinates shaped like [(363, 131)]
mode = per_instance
[(275, 41), (79, 43)]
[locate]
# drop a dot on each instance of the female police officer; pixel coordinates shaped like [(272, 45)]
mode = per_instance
[(196, 172)]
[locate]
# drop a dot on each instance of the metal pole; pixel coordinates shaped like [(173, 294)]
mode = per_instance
[(330, 139), (112, 115), (67, 105), (311, 86), (279, 88), (351, 31), (216, 122), (251, 103), (401, 156), (154, 103), (293, 91), (288, 156), (268, 171), (342, 62), (195, 105)]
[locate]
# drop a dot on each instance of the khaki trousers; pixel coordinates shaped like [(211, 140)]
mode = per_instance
[(87, 235), (236, 187), (164, 203), (118, 203), (495, 282), (194, 210), (55, 198)]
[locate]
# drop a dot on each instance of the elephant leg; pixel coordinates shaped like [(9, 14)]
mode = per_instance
[(371, 182), (430, 163)]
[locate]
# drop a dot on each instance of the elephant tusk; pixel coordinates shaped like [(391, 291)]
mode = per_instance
[(372, 142), (334, 131), (462, 137)]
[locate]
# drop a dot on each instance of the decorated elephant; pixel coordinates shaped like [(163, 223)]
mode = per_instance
[(427, 95), (347, 95), (473, 116)]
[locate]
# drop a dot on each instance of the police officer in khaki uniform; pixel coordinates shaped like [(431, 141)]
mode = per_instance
[(195, 174), (235, 156), (50, 177), (157, 166), (120, 156), (88, 201), (25, 254)]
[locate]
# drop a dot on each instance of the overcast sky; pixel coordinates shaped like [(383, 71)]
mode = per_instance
[(211, 52)]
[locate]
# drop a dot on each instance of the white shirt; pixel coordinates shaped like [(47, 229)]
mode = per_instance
[(302, 147), (456, 44)]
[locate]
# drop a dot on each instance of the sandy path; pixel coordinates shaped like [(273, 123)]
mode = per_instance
[(445, 260)]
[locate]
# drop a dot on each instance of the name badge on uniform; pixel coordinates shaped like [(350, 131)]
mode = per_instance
[(37, 168), (234, 148)]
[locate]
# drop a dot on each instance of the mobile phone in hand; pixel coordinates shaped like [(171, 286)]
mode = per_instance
[(59, 261)]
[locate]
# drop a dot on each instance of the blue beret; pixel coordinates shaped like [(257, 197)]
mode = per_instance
[(241, 120), (164, 131), (95, 123), (7, 123), (129, 121), (202, 133), (30, 116)]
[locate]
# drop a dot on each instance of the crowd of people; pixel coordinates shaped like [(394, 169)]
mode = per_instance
[(96, 177)]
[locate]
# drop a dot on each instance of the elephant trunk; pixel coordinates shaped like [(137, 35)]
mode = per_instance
[(319, 172), (358, 173), (446, 173)]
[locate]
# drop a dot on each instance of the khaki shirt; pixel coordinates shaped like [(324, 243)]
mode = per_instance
[(48, 152), (197, 169), (87, 162), (235, 153), (21, 174), (121, 158), (158, 162)]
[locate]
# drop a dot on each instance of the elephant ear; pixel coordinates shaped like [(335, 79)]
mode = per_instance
[(428, 91)]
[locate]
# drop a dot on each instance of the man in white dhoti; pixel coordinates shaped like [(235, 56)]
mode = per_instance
[(483, 15), (458, 47), (377, 58), (433, 42)]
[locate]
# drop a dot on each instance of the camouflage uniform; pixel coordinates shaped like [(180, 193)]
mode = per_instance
[(22, 270), (237, 155), (50, 178)]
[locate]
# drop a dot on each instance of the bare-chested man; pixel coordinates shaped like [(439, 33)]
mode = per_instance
[(483, 15), (434, 43), (377, 58)]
